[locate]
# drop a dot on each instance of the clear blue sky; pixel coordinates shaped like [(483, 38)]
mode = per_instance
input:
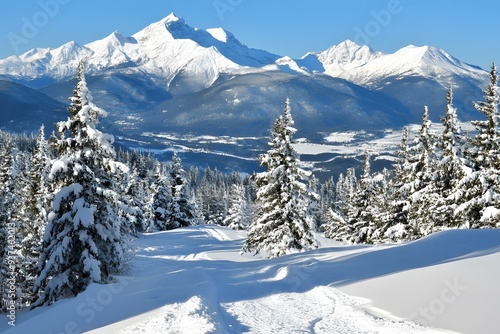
[(469, 30)]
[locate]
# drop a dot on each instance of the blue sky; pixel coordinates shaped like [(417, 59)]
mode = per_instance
[(469, 30)]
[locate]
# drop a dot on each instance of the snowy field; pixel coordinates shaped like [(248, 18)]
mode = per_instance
[(193, 280)]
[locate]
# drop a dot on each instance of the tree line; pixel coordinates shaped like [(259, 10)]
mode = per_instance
[(443, 180), (70, 205)]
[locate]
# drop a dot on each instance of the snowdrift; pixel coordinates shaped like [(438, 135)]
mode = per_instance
[(193, 280)]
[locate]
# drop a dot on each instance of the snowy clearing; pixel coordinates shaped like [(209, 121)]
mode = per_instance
[(193, 280)]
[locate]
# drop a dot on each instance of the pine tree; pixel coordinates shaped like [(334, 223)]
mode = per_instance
[(480, 200), (160, 201), (137, 192), (381, 204), (31, 202), (283, 224), (327, 201), (315, 204), (361, 216), (212, 198), (398, 226), (345, 192), (335, 227), (239, 212), (25, 251), (83, 241), (421, 178), (451, 170), (182, 211)]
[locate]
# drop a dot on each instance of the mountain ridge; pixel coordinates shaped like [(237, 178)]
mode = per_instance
[(156, 49)]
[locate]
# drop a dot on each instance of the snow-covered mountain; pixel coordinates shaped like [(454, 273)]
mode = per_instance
[(363, 66), (169, 49), (172, 50), (171, 78)]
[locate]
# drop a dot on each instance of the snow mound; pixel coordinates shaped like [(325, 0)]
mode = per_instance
[(189, 317)]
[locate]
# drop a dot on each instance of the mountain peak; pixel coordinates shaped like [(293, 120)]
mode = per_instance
[(347, 53), (168, 28), (112, 41), (350, 44), (171, 18)]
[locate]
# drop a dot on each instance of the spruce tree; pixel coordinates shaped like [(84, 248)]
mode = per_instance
[(160, 201), (335, 227), (421, 177), (480, 197), (383, 198), (361, 213), (283, 224), (451, 169), (182, 211), (212, 197), (239, 212), (398, 227), (83, 242)]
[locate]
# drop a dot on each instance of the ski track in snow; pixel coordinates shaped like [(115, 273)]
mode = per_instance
[(193, 280)]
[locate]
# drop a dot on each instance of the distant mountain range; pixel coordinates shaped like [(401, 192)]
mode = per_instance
[(173, 78)]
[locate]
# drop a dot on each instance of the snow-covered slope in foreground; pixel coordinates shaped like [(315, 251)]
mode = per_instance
[(193, 280)]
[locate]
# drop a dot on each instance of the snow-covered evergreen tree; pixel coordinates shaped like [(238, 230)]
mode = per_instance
[(345, 191), (335, 227), (283, 224), (315, 203), (160, 200), (398, 227), (451, 169), (382, 204), (212, 197), (480, 200), (182, 211), (361, 213), (83, 242), (239, 215), (326, 202), (421, 177)]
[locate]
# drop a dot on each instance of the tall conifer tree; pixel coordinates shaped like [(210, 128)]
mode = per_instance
[(83, 241), (480, 200), (283, 223)]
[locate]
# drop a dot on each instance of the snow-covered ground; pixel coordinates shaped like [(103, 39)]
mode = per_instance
[(193, 280)]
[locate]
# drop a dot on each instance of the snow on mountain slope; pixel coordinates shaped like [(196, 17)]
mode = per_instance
[(363, 66), (168, 48), (177, 52), (57, 63), (193, 280), (342, 59), (113, 50)]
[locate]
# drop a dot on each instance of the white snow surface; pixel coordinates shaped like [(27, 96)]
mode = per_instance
[(166, 49), (363, 66), (170, 49), (193, 280)]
